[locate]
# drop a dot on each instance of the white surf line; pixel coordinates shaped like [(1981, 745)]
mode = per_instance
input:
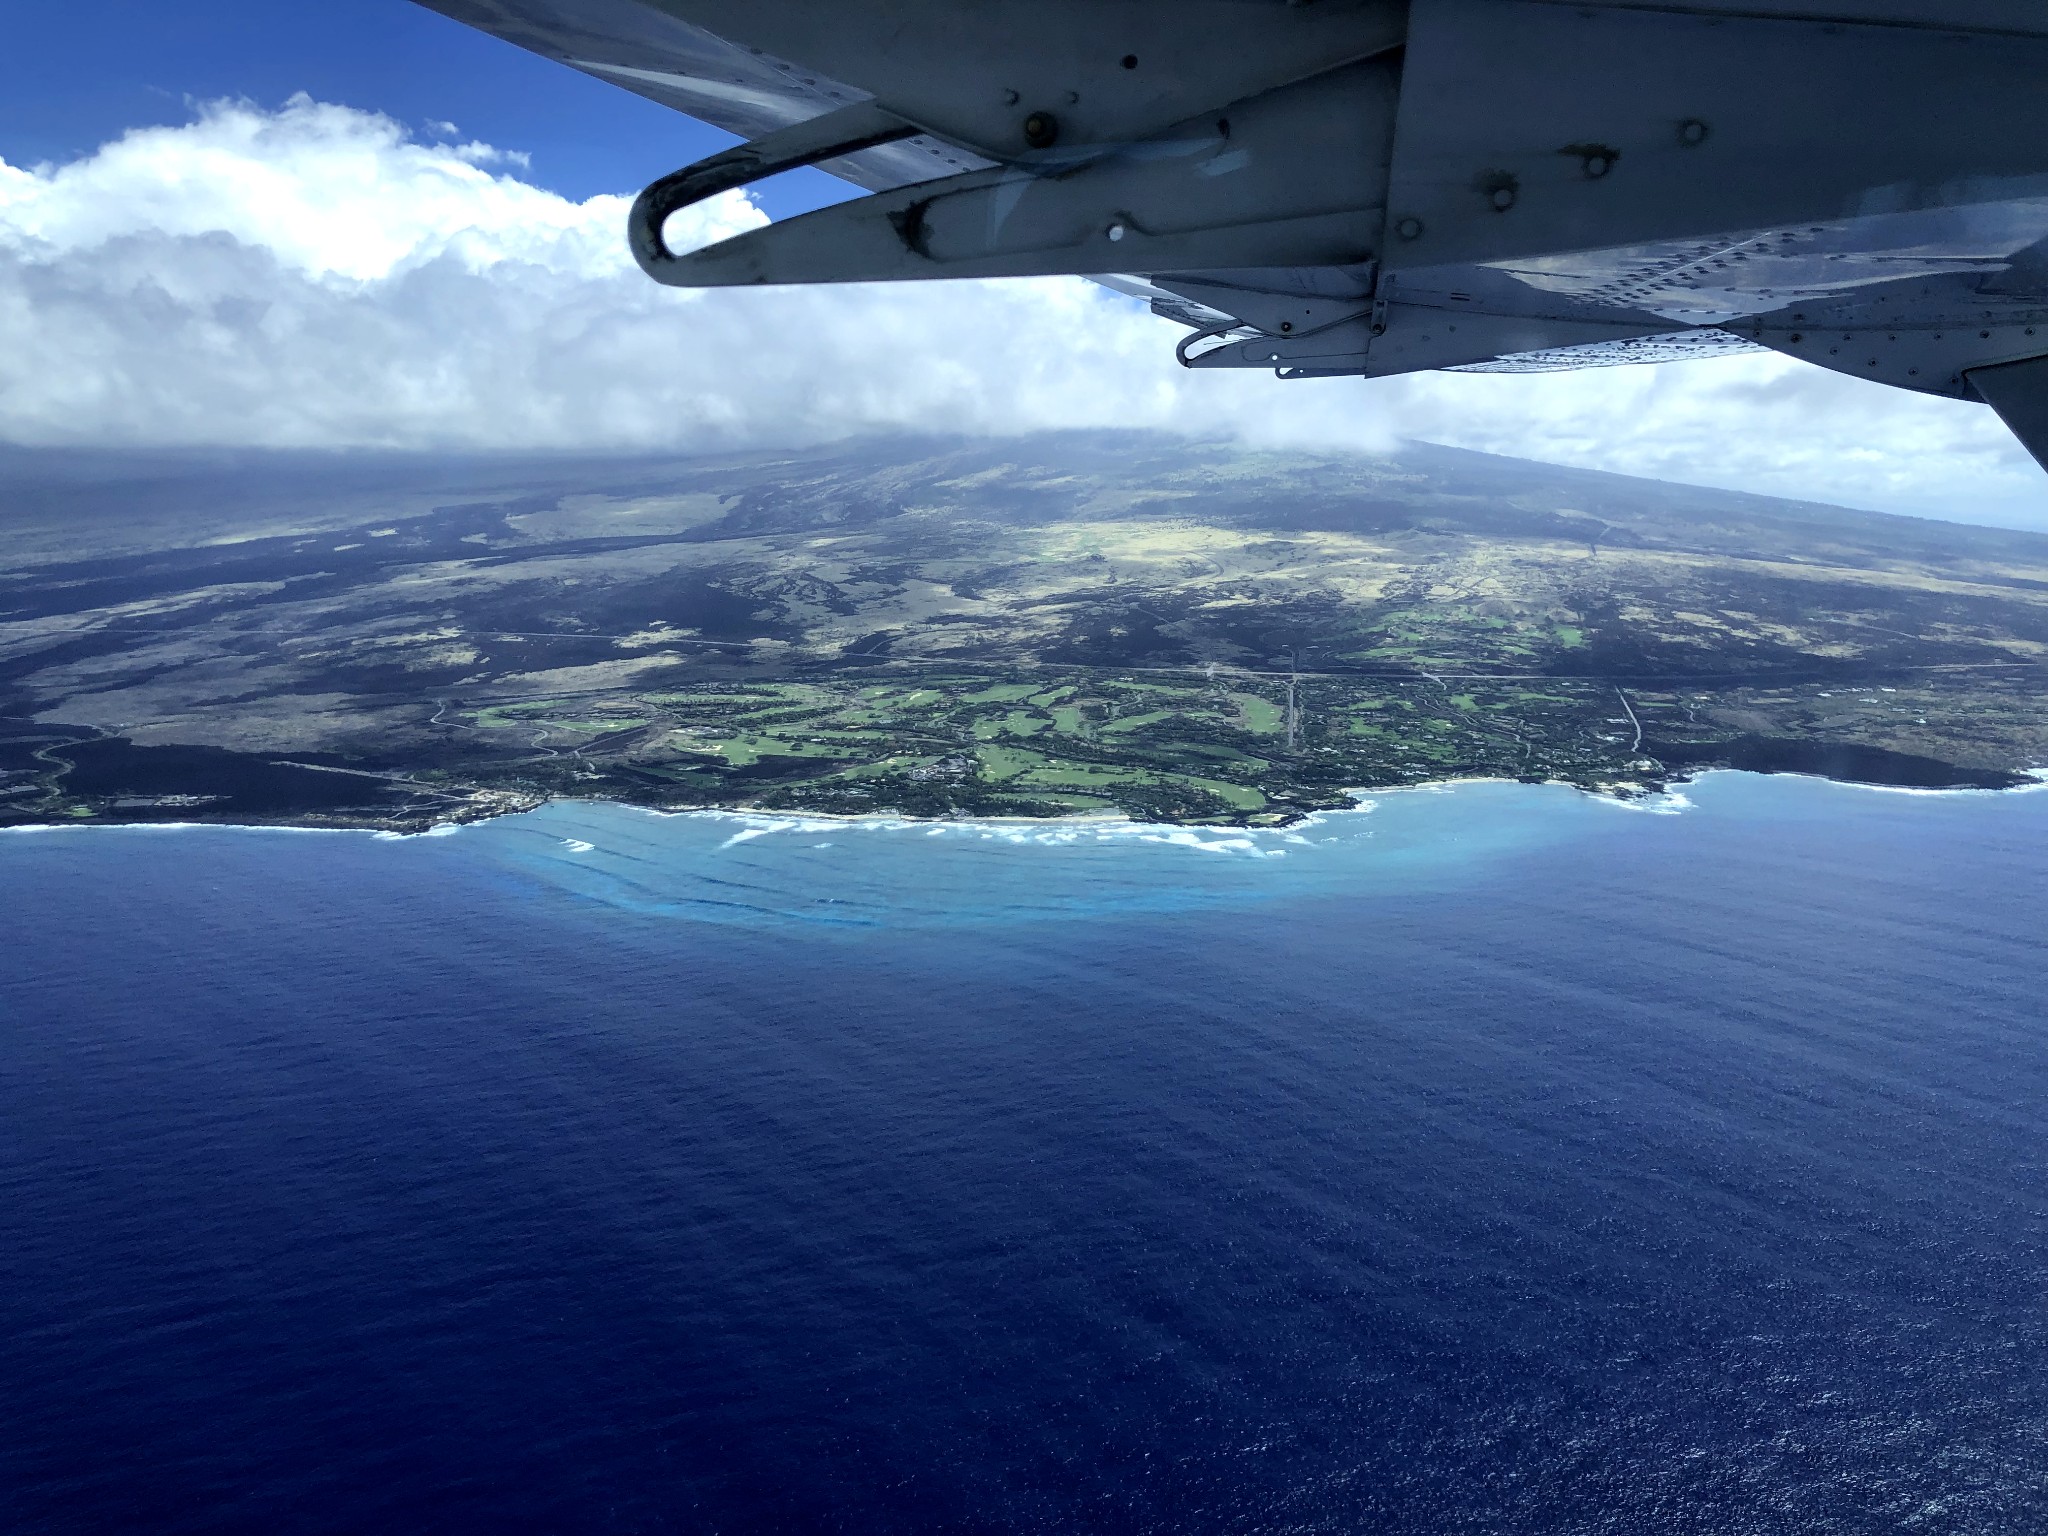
[(1632, 720)]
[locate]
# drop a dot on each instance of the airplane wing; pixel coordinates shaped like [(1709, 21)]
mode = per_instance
[(1374, 187), (653, 53)]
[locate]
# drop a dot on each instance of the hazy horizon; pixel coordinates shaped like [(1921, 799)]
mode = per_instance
[(192, 253)]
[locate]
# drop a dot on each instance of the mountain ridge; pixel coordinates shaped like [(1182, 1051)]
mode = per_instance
[(485, 632)]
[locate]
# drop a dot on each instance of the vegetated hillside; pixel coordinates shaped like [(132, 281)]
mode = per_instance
[(1196, 630)]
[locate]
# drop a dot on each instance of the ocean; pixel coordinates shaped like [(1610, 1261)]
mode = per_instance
[(1488, 1159)]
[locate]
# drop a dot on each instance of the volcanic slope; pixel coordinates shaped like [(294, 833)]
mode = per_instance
[(1046, 625)]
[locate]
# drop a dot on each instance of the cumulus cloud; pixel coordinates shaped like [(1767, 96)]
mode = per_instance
[(316, 277)]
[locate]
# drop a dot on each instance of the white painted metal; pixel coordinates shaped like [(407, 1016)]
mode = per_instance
[(1935, 358), (1529, 129), (1497, 184), (1098, 72), (1408, 338), (1227, 189), (1278, 301)]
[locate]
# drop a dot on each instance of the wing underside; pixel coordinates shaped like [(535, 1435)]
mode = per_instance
[(1372, 187), (1676, 347), (652, 53)]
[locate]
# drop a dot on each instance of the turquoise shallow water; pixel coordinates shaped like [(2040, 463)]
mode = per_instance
[(1491, 1159), (890, 873)]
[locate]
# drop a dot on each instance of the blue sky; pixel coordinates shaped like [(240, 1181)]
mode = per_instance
[(75, 75), (303, 275)]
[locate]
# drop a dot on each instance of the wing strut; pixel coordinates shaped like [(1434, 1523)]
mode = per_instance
[(860, 126), (1224, 189)]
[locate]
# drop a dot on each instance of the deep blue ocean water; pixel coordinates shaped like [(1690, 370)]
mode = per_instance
[(1496, 1160)]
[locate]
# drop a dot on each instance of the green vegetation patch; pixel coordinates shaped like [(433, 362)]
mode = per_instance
[(745, 751), (1006, 762), (1137, 722), (1086, 775), (1001, 693), (1260, 715), (1239, 796)]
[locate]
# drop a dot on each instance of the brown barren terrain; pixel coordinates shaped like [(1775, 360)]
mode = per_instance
[(1050, 625)]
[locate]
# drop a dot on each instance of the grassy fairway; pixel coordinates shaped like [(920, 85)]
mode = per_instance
[(1261, 715), (1186, 749), (746, 751), (999, 763), (1200, 748), (1137, 722)]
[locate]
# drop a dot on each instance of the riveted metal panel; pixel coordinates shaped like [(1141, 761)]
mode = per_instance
[(1529, 129), (1007, 76)]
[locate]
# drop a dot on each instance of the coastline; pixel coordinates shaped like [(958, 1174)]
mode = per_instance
[(1662, 796)]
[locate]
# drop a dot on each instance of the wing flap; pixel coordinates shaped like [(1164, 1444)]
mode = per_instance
[(1674, 347), (2019, 393)]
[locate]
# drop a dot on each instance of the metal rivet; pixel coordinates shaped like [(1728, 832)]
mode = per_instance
[(1409, 229), (1598, 166), (1692, 133), (1041, 130), (1286, 326), (1115, 231), (1503, 199), (1009, 98)]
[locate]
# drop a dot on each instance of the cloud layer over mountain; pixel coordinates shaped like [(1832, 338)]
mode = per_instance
[(315, 276)]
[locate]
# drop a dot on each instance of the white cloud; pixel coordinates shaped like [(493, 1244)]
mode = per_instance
[(314, 277)]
